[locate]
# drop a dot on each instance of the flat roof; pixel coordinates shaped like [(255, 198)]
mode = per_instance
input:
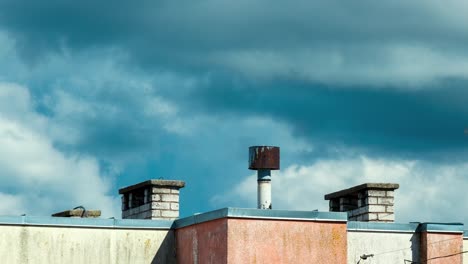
[(406, 227), (26, 220), (382, 227), (248, 213)]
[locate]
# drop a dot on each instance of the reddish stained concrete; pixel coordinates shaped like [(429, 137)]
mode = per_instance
[(277, 241), (434, 245), (204, 243)]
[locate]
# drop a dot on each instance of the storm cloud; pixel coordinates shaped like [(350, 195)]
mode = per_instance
[(162, 88)]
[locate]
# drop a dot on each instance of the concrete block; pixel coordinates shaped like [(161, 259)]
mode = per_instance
[(390, 193), (334, 205), (385, 200), (376, 193), (376, 208), (155, 197), (144, 215), (175, 206), (361, 195), (344, 200), (170, 214), (156, 214), (357, 212), (371, 200), (389, 209), (125, 214), (145, 207), (160, 206), (345, 208), (370, 217), (170, 198), (175, 191), (361, 210), (161, 190), (386, 217)]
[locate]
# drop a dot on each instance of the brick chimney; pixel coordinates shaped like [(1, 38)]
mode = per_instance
[(152, 199), (369, 202)]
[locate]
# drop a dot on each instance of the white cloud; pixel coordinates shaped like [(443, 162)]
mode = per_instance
[(36, 177), (380, 66), (428, 192)]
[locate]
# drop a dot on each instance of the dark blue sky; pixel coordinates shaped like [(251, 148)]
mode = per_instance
[(97, 96)]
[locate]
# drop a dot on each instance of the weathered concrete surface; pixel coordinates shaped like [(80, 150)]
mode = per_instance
[(204, 243), (441, 248), (79, 213), (280, 241), (49, 245), (465, 247), (388, 248)]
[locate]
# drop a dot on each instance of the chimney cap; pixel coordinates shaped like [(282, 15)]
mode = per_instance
[(156, 183), (366, 186), (264, 157)]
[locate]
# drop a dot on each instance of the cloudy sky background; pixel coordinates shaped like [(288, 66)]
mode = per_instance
[(97, 96)]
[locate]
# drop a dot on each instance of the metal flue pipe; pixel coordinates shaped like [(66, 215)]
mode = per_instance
[(264, 159)]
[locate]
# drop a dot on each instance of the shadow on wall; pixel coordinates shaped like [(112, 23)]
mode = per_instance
[(415, 246), (166, 252)]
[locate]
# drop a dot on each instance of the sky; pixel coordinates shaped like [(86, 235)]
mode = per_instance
[(99, 95)]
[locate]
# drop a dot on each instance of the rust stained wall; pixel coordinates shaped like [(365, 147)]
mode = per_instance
[(204, 243), (436, 248), (275, 241)]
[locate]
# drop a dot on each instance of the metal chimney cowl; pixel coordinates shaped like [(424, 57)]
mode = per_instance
[(264, 159)]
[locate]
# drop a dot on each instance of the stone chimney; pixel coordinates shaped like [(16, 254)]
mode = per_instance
[(369, 202), (152, 199)]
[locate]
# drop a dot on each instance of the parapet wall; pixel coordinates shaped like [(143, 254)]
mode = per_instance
[(465, 247), (389, 243), (234, 235), (384, 243), (74, 240), (230, 235)]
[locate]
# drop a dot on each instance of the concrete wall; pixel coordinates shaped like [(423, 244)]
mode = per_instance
[(387, 247), (441, 248), (465, 248), (277, 241), (236, 235), (24, 244), (440, 243), (204, 243), (258, 241), (229, 235)]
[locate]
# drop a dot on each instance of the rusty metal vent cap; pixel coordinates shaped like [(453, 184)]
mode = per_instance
[(264, 157)]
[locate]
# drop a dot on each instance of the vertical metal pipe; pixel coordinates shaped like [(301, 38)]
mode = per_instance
[(264, 159), (264, 189)]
